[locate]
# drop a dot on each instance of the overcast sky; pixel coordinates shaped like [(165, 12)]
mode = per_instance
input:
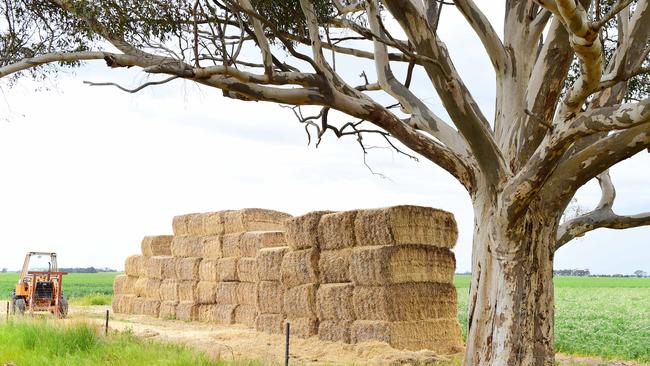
[(88, 171)]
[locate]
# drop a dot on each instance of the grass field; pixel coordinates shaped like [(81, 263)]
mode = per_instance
[(41, 343), (595, 316)]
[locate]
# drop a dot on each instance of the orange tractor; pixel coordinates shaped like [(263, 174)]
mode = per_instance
[(40, 289)]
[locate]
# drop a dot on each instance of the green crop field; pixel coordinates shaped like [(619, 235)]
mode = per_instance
[(595, 316), (75, 285)]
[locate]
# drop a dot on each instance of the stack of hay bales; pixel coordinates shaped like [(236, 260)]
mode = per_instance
[(300, 275), (403, 270), (138, 290), (271, 248)]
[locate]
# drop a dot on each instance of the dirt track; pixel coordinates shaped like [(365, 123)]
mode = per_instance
[(242, 343)]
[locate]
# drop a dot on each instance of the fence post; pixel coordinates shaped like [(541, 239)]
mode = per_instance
[(106, 325), (286, 344), (7, 311)]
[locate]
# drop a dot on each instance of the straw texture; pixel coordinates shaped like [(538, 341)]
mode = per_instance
[(299, 267), (438, 335), (334, 265), (336, 230), (269, 263), (302, 231), (156, 245)]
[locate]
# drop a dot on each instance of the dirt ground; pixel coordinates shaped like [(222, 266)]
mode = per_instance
[(241, 343)]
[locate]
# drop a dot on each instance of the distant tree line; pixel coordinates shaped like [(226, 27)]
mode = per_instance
[(586, 273), (86, 270)]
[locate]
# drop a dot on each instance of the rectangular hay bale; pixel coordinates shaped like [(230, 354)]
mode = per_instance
[(336, 230), (381, 265), (151, 307), (270, 297), (334, 265), (253, 241), (403, 225), (206, 292), (168, 310), (213, 223), (161, 267), (206, 313), (335, 330), (227, 269), (225, 313), (140, 287), (270, 323), (300, 301), (187, 290), (247, 269), (230, 245), (169, 290), (334, 301), (123, 284), (269, 263), (247, 293), (181, 224), (152, 289), (188, 268), (211, 246), (302, 231), (134, 265), (208, 270), (187, 311), (184, 246), (156, 245), (122, 304), (137, 306), (253, 219), (246, 315), (405, 301), (441, 336), (299, 267), (303, 327), (227, 293)]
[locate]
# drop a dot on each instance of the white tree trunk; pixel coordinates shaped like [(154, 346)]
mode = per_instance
[(511, 295)]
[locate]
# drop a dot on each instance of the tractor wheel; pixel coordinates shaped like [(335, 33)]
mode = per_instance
[(19, 306), (63, 307)]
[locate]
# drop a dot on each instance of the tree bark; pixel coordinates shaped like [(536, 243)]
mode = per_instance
[(511, 315)]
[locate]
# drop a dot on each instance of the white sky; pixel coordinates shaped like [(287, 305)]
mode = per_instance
[(88, 171)]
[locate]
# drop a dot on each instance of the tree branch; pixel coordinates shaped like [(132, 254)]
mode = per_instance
[(485, 32), (112, 59)]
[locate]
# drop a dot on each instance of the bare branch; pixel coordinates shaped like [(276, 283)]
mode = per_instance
[(135, 90), (485, 32), (620, 5), (112, 59)]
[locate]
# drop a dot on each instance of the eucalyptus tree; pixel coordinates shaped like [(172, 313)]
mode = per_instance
[(571, 101)]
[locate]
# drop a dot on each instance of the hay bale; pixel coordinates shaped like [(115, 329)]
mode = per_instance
[(405, 301), (224, 313), (184, 246), (208, 270), (133, 265), (246, 315), (300, 301), (303, 327), (226, 293), (206, 313), (161, 267), (181, 224), (151, 307), (213, 223), (227, 269), (269, 263), (334, 265), (211, 247), (168, 310), (270, 323), (230, 245), (169, 290), (247, 293), (441, 336), (137, 306), (335, 330), (140, 286), (187, 290), (195, 224), (122, 303), (270, 297), (334, 301), (152, 289), (247, 269), (188, 268), (187, 311), (156, 245), (253, 219), (206, 292), (251, 242), (299, 267), (381, 265), (336, 230), (401, 225), (119, 284), (302, 231)]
